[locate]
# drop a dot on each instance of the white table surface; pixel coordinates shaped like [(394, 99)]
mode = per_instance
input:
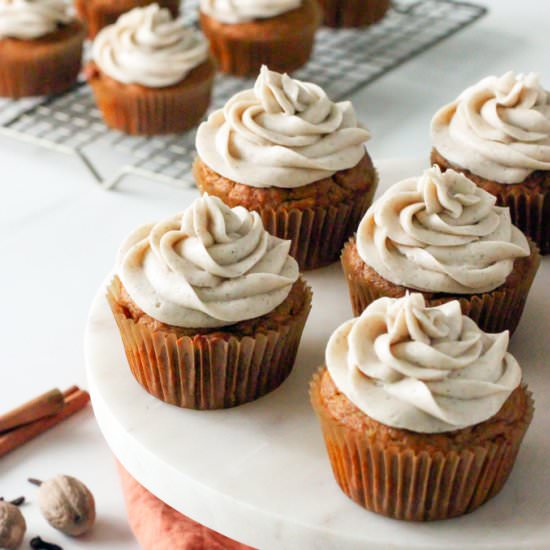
[(59, 234)]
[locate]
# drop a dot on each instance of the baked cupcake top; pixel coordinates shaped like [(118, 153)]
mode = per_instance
[(242, 11), (30, 19), (147, 46), (424, 369), (283, 133), (209, 266), (440, 232), (498, 129)]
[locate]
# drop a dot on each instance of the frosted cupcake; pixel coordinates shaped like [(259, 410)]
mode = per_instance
[(286, 151), (422, 412), (498, 133), (150, 74), (444, 236), (100, 13), (40, 47), (245, 35), (210, 307)]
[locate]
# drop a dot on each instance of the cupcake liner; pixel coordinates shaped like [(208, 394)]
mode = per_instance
[(495, 311), (100, 13), (138, 110), (45, 66), (244, 55), (208, 371), (317, 234), (417, 485), (353, 13)]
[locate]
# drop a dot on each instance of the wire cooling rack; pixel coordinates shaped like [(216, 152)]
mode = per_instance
[(343, 62)]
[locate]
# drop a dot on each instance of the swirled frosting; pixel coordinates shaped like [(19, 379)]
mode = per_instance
[(242, 11), (147, 46), (498, 129), (210, 266), (440, 233), (283, 133), (423, 369), (30, 19)]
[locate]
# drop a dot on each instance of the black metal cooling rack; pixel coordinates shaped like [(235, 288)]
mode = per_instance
[(343, 62)]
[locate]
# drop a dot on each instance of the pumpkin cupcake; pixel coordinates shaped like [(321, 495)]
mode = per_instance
[(422, 412), (498, 133), (353, 13), (150, 74), (210, 307), (245, 35), (100, 13), (444, 236), (288, 152), (40, 48)]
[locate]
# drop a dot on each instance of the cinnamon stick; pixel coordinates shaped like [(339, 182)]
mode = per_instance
[(47, 404), (75, 399)]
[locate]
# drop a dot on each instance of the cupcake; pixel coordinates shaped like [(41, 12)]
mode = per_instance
[(150, 74), (210, 307), (286, 151), (245, 35), (422, 412), (442, 235), (498, 133), (100, 13), (353, 13), (40, 48)]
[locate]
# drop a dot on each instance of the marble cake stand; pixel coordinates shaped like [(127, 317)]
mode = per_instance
[(259, 473)]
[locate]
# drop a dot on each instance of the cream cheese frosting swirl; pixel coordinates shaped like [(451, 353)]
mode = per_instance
[(30, 19), (428, 370), (440, 233), (242, 11), (283, 133), (210, 266), (147, 46), (498, 129)]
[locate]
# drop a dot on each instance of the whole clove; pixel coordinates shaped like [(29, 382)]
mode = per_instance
[(38, 544), (16, 501)]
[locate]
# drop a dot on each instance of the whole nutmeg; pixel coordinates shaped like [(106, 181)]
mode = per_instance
[(12, 526), (67, 504)]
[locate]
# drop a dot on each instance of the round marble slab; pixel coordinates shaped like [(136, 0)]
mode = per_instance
[(259, 473)]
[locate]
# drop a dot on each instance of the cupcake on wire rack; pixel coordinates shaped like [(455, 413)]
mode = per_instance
[(210, 306), (100, 13), (498, 133), (286, 151), (40, 47), (245, 35), (444, 236), (422, 412), (353, 13), (150, 74)]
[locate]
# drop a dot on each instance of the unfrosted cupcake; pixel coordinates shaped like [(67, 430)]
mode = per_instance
[(422, 412), (498, 133), (100, 13), (150, 74), (442, 235), (285, 150), (353, 13), (40, 47), (245, 35), (210, 307)]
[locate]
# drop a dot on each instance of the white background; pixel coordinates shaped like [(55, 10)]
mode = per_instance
[(59, 234)]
